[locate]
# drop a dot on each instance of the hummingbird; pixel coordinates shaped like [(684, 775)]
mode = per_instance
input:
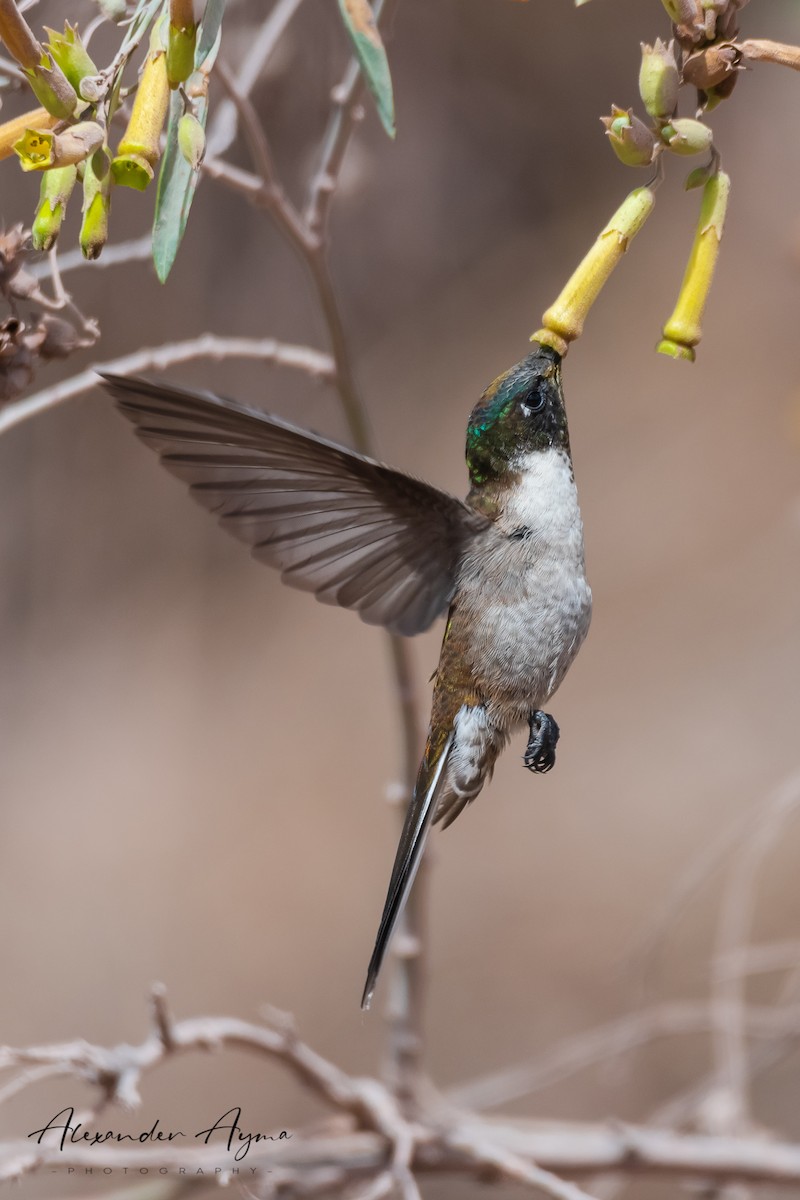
[(506, 566)]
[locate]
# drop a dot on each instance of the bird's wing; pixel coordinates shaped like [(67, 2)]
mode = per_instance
[(416, 826), (348, 529)]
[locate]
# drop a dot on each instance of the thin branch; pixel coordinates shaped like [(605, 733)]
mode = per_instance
[(736, 915), (133, 250), (609, 1041), (389, 1148), (477, 1150), (208, 345), (700, 869), (274, 197), (345, 106), (309, 238), (244, 182), (222, 131), (514, 1168), (345, 100)]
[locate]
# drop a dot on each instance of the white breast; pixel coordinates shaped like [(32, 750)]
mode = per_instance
[(545, 500), (529, 601)]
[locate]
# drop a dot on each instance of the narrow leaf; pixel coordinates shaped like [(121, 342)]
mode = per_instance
[(360, 24), (177, 183), (209, 30)]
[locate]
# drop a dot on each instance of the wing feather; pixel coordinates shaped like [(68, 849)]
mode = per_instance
[(349, 529)]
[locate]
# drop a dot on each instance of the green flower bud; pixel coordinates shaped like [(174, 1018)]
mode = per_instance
[(96, 207), (698, 178), (52, 88), (683, 331), (716, 95), (180, 53), (70, 54), (139, 150), (56, 189), (684, 135), (659, 79), (633, 143), (191, 140)]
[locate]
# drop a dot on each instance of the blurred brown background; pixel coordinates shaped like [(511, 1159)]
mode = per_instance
[(194, 759)]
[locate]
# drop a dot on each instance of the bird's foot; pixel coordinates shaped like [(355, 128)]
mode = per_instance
[(540, 753)]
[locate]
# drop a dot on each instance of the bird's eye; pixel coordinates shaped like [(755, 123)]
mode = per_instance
[(533, 403)]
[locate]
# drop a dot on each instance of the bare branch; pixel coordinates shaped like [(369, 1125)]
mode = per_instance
[(274, 197), (208, 345), (736, 914), (609, 1041), (134, 250), (222, 131), (345, 102)]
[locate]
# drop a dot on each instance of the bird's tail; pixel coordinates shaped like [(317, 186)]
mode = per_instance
[(418, 821)]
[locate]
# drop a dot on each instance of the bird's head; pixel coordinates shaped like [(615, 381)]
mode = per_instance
[(521, 411)]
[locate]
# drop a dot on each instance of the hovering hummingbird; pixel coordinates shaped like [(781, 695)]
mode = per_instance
[(506, 565)]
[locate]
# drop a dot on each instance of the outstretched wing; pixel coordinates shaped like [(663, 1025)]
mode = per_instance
[(348, 529)]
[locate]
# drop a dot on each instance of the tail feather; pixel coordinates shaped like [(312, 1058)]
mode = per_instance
[(409, 854)]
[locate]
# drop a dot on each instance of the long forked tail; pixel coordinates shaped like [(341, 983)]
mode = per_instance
[(419, 818)]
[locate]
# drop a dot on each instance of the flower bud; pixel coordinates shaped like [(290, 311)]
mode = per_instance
[(70, 54), (698, 178), (180, 53), (139, 150), (716, 95), (659, 79), (684, 135), (684, 12), (56, 189), (52, 88), (563, 321), (96, 207), (191, 140), (683, 331), (632, 142), (688, 18), (706, 68)]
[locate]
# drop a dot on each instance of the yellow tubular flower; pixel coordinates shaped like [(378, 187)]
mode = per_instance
[(139, 150), (12, 131), (563, 321), (683, 331)]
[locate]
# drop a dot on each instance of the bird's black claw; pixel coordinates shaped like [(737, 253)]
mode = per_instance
[(540, 754)]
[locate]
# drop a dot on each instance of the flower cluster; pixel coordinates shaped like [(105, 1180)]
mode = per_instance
[(706, 54), (68, 139)]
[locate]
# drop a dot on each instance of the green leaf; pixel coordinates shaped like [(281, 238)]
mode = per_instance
[(360, 24), (177, 183), (209, 30)]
